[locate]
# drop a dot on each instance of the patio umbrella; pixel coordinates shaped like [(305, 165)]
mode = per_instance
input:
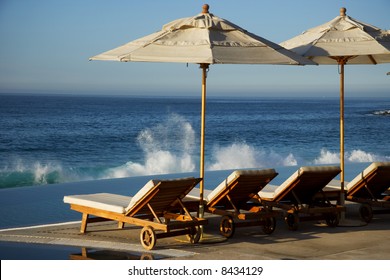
[(203, 39), (342, 41)]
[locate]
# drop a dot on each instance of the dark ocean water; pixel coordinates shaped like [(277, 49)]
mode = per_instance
[(56, 139)]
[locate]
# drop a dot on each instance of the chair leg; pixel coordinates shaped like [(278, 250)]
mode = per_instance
[(84, 222), (121, 225), (84, 252)]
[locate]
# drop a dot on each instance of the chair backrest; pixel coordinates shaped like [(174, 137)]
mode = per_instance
[(160, 194), (376, 177), (241, 186), (305, 183)]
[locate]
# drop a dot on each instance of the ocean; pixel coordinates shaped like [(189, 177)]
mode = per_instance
[(53, 139)]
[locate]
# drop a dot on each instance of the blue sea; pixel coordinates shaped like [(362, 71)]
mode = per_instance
[(57, 145), (51, 139)]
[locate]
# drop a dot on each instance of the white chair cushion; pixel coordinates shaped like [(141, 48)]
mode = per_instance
[(292, 178), (141, 193), (233, 176), (195, 193), (268, 192), (365, 172), (104, 201)]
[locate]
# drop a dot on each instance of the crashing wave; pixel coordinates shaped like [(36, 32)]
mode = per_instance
[(381, 113), (328, 157), (171, 147)]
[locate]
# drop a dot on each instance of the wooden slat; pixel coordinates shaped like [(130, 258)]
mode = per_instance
[(164, 196), (307, 184), (378, 182), (240, 190), (117, 217)]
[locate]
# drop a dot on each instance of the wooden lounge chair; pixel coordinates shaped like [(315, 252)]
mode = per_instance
[(299, 196), (236, 200), (370, 188), (154, 207)]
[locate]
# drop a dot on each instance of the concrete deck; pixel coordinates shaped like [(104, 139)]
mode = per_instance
[(312, 241)]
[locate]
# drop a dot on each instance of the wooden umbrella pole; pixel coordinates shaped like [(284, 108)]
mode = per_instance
[(342, 126), (204, 67), (342, 63)]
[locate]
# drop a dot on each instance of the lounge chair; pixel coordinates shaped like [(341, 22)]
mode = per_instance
[(370, 188), (301, 196), (236, 199), (154, 207)]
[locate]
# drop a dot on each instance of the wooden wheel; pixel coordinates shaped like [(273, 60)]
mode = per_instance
[(147, 256), (148, 237), (365, 211), (332, 219), (292, 221), (226, 226), (194, 235), (269, 226)]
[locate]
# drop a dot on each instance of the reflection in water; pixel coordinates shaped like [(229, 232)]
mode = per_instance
[(92, 254)]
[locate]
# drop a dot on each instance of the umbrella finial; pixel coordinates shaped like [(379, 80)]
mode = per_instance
[(343, 12), (205, 9)]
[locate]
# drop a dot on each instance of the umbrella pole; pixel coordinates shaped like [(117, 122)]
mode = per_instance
[(204, 67), (343, 221), (342, 63)]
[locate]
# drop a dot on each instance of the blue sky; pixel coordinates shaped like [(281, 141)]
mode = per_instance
[(45, 46)]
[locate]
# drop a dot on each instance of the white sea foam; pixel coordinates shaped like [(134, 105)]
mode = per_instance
[(234, 156), (21, 172), (171, 147), (328, 157), (382, 112), (42, 171), (167, 147), (242, 155), (171, 160)]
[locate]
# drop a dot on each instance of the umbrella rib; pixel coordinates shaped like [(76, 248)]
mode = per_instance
[(156, 38)]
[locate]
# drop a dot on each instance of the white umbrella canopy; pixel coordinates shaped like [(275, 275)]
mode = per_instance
[(203, 39), (342, 41), (343, 37)]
